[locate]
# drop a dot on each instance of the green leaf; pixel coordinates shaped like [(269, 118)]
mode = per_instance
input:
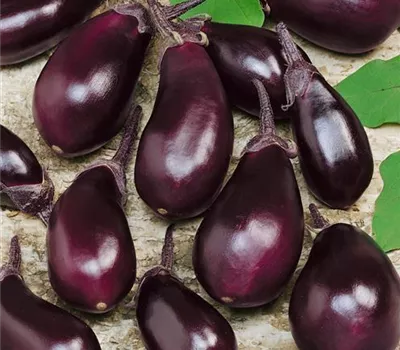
[(229, 11), (386, 221), (374, 92)]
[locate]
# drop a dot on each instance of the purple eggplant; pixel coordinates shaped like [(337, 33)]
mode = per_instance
[(31, 323), (172, 317), (347, 295), (28, 28), (24, 184), (186, 147), (243, 53), (348, 26), (91, 256), (83, 95), (334, 151), (249, 243)]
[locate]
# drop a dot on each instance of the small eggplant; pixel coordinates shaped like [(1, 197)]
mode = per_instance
[(28, 28), (31, 323), (91, 256), (347, 26), (249, 243), (172, 317), (24, 184), (243, 53), (347, 295), (186, 147), (334, 151), (83, 95)]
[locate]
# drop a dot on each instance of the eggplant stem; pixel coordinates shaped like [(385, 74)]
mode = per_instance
[(167, 255), (292, 53), (180, 31), (167, 260), (299, 73), (318, 220), (174, 11), (267, 124), (13, 266), (33, 199), (267, 133), (14, 258), (122, 156)]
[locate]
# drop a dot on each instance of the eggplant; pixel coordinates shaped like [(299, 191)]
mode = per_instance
[(346, 26), (347, 295), (24, 183), (185, 149), (83, 95), (91, 255), (172, 317), (334, 151), (31, 323), (249, 243), (29, 28)]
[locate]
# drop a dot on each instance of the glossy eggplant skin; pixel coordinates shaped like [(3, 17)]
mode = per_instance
[(186, 147), (249, 243), (172, 317), (91, 256), (334, 151), (347, 296), (83, 95), (31, 323), (28, 28), (346, 26), (243, 53), (18, 165)]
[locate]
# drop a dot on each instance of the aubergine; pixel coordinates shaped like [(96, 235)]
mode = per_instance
[(31, 323), (347, 295)]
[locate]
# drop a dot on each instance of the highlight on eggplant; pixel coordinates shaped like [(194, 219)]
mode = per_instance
[(24, 183), (334, 151), (242, 53), (29, 28), (346, 26), (249, 243), (91, 255), (172, 317), (347, 295), (29, 322), (185, 149), (83, 94)]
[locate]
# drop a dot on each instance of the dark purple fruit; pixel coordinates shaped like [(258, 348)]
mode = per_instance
[(186, 147), (24, 184), (347, 295), (91, 256), (348, 26), (172, 317), (243, 53), (31, 323), (249, 243), (83, 95), (334, 151), (28, 28)]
